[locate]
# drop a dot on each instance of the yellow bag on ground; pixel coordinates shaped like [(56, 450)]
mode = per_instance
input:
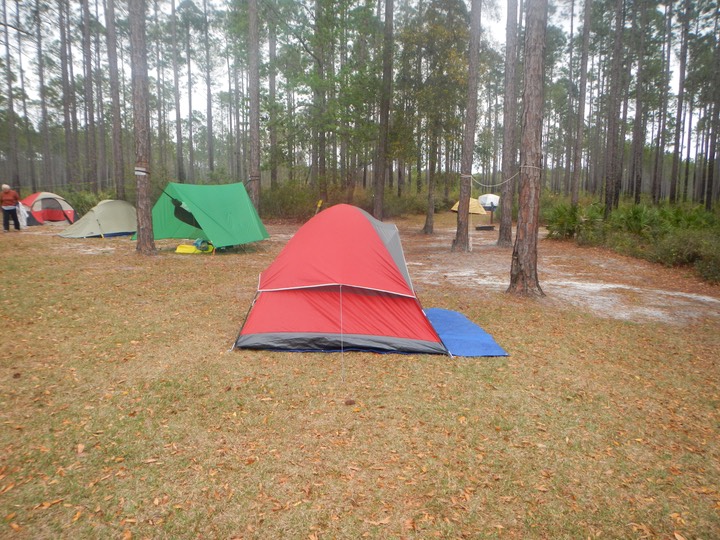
[(197, 247)]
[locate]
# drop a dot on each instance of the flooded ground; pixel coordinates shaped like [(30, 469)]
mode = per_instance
[(598, 280)]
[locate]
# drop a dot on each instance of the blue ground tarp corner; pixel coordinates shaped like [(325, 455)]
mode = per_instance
[(461, 336)]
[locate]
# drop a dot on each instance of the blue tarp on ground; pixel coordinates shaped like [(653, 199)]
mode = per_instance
[(461, 336)]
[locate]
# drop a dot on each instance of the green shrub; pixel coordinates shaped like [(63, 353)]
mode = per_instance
[(549, 202), (641, 220), (626, 243), (407, 205), (708, 267), (584, 223), (672, 236), (289, 201), (563, 221), (678, 247), (84, 201), (688, 217), (591, 225)]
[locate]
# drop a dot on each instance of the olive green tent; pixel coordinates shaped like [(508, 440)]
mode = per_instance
[(221, 214), (107, 218), (475, 207)]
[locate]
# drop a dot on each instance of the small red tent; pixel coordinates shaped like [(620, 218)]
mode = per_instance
[(45, 206), (341, 283)]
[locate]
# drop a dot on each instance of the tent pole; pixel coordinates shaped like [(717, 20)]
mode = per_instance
[(244, 321)]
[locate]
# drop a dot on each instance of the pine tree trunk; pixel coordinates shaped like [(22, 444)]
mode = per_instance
[(638, 139), (523, 271), (290, 132), (273, 128), (47, 168), (117, 131), (191, 143), (71, 154), (684, 38), (462, 238), (580, 125), (208, 91), (90, 176), (509, 151), (161, 104), (102, 165), (433, 150), (686, 183), (141, 126), (657, 183), (254, 87), (179, 158), (385, 99), (23, 96), (714, 152), (612, 150), (14, 173), (71, 96)]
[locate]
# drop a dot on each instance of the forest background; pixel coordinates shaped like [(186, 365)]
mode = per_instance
[(630, 107)]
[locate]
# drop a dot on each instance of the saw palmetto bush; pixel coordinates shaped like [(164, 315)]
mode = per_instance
[(563, 221), (680, 235)]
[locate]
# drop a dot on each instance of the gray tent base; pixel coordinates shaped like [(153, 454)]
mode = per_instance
[(309, 342)]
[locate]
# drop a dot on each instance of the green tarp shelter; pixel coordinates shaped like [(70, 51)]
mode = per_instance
[(221, 214)]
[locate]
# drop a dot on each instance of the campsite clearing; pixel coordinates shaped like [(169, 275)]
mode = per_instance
[(124, 413)]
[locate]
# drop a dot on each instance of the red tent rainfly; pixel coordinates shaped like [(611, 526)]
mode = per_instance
[(45, 206), (341, 283)]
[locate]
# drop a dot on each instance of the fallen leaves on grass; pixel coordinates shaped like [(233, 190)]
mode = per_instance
[(383, 521), (588, 426)]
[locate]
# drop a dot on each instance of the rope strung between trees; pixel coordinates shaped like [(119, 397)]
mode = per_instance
[(491, 186)]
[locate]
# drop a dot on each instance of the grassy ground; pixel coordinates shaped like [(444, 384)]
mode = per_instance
[(123, 414)]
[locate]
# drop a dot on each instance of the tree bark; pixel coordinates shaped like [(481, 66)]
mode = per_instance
[(612, 147), (523, 271), (98, 79), (713, 154), (208, 90), (385, 99), (462, 238), (14, 173), (688, 154), (272, 87), (90, 176), (71, 152), (141, 125), (23, 96), (657, 182), (684, 39), (429, 227), (160, 101), (118, 159), (509, 151), (638, 140), (580, 125), (254, 87), (179, 160), (191, 142), (47, 168)]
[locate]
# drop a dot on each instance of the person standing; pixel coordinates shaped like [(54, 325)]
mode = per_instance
[(10, 200)]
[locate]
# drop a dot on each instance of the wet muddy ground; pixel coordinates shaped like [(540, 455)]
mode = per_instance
[(595, 279)]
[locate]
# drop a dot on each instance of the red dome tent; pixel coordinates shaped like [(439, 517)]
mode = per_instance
[(341, 283), (45, 206)]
